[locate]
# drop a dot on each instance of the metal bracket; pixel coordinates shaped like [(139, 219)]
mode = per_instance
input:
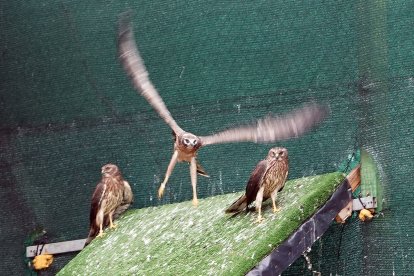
[(364, 203), (356, 205), (57, 247)]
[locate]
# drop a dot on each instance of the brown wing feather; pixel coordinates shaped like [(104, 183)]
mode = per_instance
[(135, 68), (239, 205), (255, 181), (127, 200), (95, 205), (252, 187), (201, 170), (272, 128)]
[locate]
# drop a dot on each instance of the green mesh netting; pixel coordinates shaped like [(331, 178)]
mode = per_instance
[(67, 108)]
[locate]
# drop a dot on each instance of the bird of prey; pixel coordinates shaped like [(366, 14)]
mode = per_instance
[(266, 180), (112, 196), (186, 145)]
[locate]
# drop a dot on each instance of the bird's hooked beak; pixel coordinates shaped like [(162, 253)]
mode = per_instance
[(191, 142), (278, 154), (104, 172)]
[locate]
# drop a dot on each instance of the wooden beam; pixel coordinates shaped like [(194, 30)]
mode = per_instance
[(354, 179)]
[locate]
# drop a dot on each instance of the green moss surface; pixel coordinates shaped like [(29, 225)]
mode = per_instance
[(179, 239)]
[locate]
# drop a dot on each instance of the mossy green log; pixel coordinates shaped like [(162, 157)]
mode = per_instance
[(179, 239)]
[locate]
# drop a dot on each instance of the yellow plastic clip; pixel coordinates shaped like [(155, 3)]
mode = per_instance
[(42, 261), (365, 214)]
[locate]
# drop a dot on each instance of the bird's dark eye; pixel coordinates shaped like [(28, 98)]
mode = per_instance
[(186, 141), (195, 142)]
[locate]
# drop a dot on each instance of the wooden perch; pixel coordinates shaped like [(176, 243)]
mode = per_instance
[(354, 180)]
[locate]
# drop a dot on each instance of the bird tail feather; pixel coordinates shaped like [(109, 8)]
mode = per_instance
[(201, 170), (93, 232), (238, 206)]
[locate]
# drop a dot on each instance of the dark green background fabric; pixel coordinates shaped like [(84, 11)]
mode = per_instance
[(67, 108)]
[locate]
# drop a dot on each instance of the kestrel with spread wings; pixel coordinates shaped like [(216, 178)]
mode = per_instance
[(264, 130)]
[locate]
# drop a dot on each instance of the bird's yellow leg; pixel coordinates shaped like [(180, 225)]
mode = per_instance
[(111, 224), (259, 217), (193, 174), (258, 202), (275, 208), (168, 173), (101, 233)]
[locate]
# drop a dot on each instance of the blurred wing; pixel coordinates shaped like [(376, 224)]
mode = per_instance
[(135, 68), (253, 185), (272, 128)]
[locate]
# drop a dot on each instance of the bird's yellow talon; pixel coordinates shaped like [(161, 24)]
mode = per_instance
[(276, 210), (161, 191), (259, 219), (113, 226), (195, 202), (101, 234)]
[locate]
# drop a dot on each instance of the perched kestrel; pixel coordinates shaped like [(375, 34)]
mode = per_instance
[(266, 180), (264, 130), (112, 196)]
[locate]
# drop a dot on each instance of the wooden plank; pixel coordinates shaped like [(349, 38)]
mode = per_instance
[(56, 248), (354, 179), (344, 213)]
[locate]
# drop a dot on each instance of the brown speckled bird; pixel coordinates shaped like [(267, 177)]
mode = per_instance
[(112, 196), (266, 180), (265, 130)]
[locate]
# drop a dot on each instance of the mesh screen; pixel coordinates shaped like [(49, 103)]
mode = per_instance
[(67, 108)]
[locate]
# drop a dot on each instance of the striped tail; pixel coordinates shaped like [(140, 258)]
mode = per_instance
[(201, 171), (238, 206), (93, 232)]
